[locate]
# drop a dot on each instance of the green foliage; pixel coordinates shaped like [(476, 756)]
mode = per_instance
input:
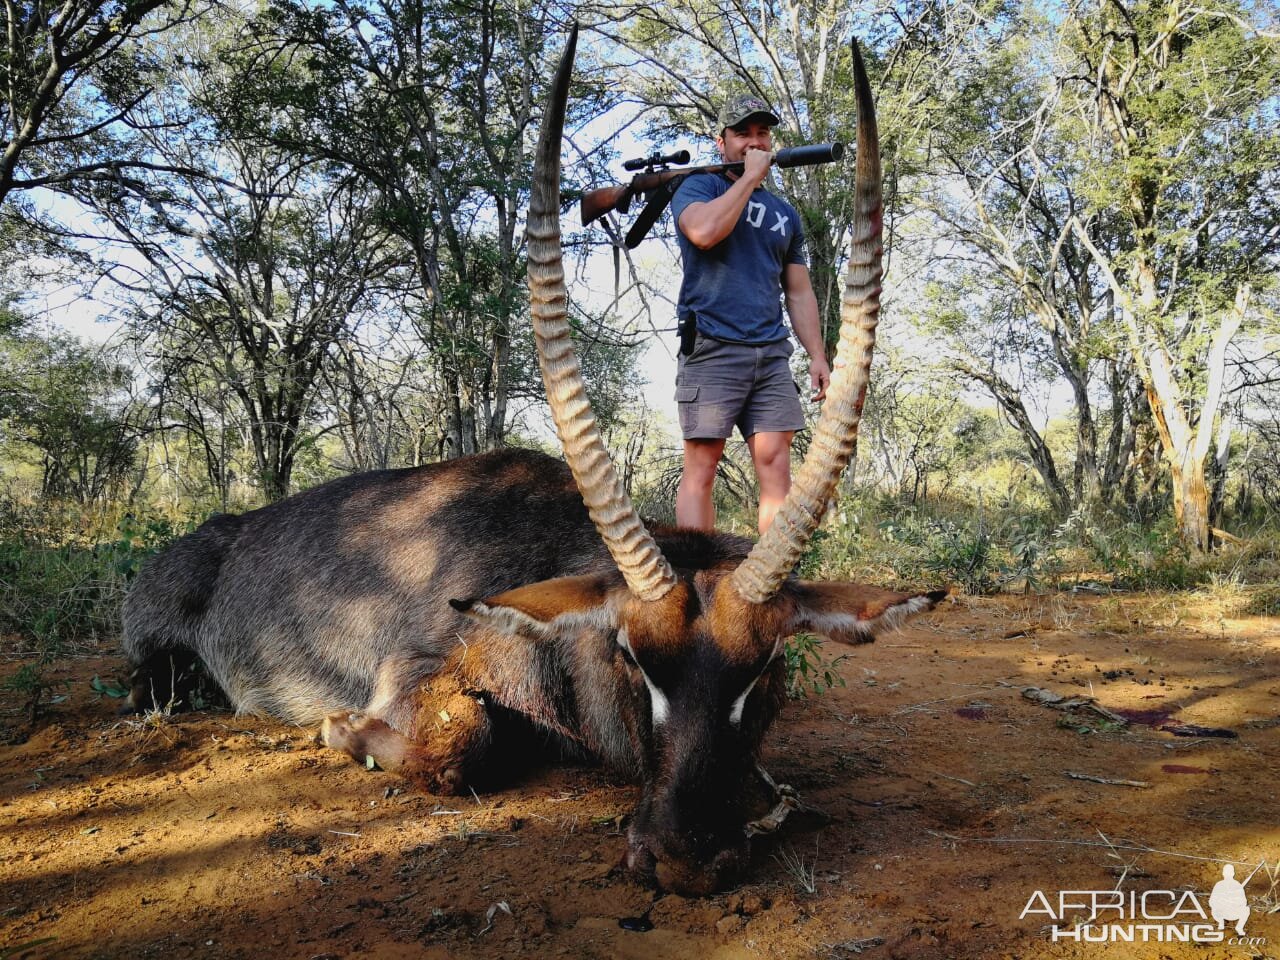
[(1265, 602), (52, 596), (957, 550), (1097, 184), (1135, 556), (139, 539), (33, 687), (70, 403), (943, 542), (963, 555), (73, 75), (113, 690), (1034, 557), (28, 681), (63, 574), (809, 673)]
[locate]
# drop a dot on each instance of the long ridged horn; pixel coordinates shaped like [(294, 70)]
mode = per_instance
[(640, 560), (775, 555)]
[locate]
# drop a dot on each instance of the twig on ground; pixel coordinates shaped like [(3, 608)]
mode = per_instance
[(1084, 843), (927, 703), (1126, 867), (1109, 782), (493, 911), (857, 946)]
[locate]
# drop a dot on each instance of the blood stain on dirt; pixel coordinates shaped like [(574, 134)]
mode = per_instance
[(1146, 718)]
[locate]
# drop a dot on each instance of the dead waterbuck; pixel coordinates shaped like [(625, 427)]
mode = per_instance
[(508, 593)]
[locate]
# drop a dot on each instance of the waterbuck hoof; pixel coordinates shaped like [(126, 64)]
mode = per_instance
[(450, 782), (337, 731)]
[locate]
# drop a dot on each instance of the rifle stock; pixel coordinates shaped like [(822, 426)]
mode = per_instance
[(596, 203)]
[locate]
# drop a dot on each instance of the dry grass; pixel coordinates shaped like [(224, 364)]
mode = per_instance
[(802, 873)]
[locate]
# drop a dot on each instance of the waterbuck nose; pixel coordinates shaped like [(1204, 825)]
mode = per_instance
[(692, 879), (683, 873)]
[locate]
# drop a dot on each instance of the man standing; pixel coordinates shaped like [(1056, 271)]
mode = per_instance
[(743, 252)]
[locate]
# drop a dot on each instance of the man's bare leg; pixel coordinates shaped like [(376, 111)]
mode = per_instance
[(771, 454), (693, 500)]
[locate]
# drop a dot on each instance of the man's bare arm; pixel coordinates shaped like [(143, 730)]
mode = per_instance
[(802, 309), (709, 222)]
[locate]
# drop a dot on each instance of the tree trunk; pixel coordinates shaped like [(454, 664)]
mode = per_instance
[(1191, 505), (499, 376), (1087, 478), (1218, 487)]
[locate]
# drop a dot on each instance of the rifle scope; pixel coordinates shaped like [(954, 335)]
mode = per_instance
[(657, 160)]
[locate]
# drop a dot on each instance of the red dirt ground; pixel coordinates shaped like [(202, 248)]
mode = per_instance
[(207, 835)]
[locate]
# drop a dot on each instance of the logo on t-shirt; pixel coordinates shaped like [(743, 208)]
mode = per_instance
[(755, 217)]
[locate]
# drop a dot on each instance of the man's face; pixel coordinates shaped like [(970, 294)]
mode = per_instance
[(735, 141)]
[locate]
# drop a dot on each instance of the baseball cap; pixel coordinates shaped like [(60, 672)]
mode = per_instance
[(739, 109)]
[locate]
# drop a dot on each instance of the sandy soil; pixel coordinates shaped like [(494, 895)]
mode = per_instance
[(207, 835)]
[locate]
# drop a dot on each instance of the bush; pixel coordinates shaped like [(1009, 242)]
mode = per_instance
[(52, 596), (63, 573), (1265, 602), (1137, 557), (808, 672), (963, 556), (64, 570)]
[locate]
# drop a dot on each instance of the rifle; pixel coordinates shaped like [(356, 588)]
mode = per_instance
[(658, 183)]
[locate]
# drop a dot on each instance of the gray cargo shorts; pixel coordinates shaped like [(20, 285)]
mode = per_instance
[(720, 385)]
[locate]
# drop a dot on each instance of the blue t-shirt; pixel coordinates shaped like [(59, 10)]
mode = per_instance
[(735, 288)]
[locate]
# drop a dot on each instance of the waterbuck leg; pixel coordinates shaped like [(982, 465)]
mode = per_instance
[(166, 681), (454, 734)]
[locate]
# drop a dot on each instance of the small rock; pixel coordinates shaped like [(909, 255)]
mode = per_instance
[(640, 924)]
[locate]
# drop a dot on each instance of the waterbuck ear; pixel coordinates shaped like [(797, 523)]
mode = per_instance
[(544, 609), (853, 612)]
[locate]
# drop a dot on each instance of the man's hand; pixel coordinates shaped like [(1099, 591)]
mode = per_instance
[(707, 222), (819, 378), (755, 165)]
